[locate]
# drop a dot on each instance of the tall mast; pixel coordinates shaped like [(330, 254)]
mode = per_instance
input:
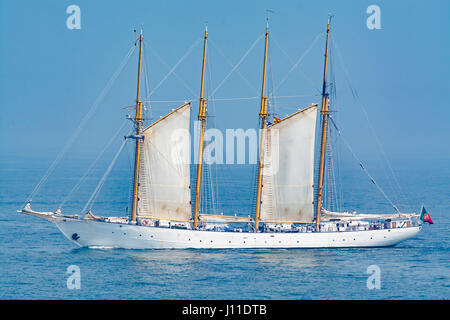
[(138, 125), (202, 119), (325, 113), (263, 114)]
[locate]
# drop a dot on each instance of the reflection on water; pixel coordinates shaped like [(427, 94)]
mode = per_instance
[(227, 257), (227, 273), (293, 258)]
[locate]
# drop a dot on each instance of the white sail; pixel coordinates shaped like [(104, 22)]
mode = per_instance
[(164, 172), (287, 191)]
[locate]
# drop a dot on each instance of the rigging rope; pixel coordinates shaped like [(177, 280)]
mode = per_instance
[(231, 65), (356, 97), (333, 154), (82, 124), (75, 188), (272, 98), (298, 61), (211, 123), (237, 65), (96, 192), (297, 96), (233, 99), (362, 166), (173, 71), (131, 181), (147, 109), (175, 66)]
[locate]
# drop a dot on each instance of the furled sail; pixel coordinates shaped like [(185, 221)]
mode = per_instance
[(164, 176), (288, 172), (349, 216)]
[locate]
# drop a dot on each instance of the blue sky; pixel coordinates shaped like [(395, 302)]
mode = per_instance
[(50, 76)]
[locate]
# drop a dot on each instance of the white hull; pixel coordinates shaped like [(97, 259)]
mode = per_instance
[(88, 233)]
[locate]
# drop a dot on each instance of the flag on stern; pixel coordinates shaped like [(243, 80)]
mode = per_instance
[(425, 216)]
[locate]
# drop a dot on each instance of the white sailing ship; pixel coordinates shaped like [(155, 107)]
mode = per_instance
[(288, 213)]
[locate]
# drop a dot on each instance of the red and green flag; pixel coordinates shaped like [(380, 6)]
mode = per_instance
[(425, 216)]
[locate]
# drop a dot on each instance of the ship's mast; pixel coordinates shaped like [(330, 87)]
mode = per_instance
[(138, 125), (325, 113), (263, 115), (202, 119)]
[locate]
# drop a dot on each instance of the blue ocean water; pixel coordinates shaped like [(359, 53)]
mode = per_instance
[(34, 255)]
